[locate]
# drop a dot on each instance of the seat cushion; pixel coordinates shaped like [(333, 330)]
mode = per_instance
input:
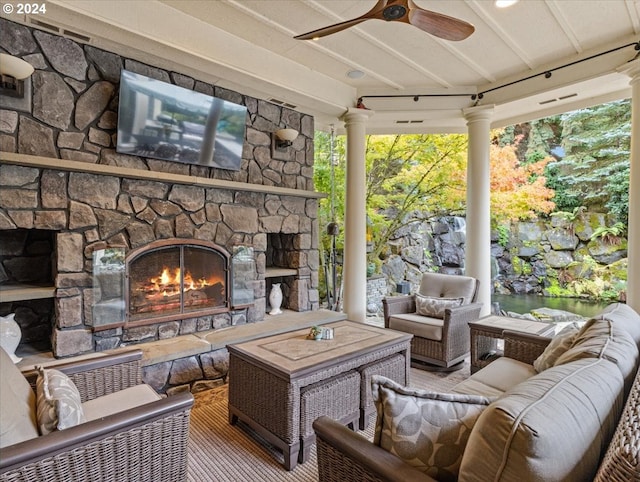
[(17, 404), (120, 401), (552, 427), (496, 378), (427, 430), (418, 325)]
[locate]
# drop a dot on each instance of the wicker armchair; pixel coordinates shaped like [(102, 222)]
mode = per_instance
[(144, 443), (442, 343)]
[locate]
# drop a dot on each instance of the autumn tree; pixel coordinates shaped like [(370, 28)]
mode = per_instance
[(415, 178), (518, 190)]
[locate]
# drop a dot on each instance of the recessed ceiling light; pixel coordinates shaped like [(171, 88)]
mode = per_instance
[(505, 3), (355, 74)]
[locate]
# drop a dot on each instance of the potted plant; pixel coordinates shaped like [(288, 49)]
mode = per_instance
[(315, 333)]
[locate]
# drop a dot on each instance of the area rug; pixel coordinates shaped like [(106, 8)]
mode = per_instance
[(222, 452)]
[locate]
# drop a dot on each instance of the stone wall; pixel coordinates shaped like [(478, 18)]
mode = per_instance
[(376, 290), (554, 257), (71, 113)]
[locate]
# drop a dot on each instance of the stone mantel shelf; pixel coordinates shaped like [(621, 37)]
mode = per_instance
[(22, 292), (127, 172), (272, 272)]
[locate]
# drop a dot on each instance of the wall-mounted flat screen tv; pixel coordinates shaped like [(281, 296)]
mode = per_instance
[(164, 121)]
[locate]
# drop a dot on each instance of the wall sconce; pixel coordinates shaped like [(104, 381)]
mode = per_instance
[(282, 138), (14, 71)]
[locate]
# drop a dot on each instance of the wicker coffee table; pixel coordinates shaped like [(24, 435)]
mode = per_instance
[(280, 384)]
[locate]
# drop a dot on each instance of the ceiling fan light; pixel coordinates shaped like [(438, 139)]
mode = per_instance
[(505, 3)]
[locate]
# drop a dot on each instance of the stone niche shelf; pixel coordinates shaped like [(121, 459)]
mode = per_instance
[(277, 272), (127, 172), (24, 292)]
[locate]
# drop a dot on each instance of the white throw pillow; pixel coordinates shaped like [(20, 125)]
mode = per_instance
[(434, 307), (59, 405), (556, 347)]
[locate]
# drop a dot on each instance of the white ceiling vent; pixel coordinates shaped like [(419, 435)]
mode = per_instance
[(52, 28), (282, 103)]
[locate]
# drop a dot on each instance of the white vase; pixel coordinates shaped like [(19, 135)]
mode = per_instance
[(275, 299), (10, 335)]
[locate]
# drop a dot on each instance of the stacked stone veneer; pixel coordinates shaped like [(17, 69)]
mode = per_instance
[(71, 113)]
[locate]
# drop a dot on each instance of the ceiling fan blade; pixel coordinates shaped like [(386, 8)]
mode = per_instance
[(375, 12), (440, 25), (322, 32)]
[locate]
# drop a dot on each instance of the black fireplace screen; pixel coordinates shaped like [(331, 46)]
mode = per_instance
[(170, 280)]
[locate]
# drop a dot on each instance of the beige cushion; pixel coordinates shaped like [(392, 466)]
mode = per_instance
[(552, 427), (560, 344), (58, 401), (427, 430), (496, 378), (120, 401), (17, 404), (602, 338), (434, 307), (418, 325), (625, 317), (448, 286)]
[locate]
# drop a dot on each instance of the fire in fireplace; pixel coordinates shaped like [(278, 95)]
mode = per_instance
[(173, 279)]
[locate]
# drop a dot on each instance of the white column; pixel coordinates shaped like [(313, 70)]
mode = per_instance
[(478, 244), (354, 272), (632, 69)]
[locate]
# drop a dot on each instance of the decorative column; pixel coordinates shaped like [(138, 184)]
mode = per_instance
[(354, 271), (478, 244), (632, 69)]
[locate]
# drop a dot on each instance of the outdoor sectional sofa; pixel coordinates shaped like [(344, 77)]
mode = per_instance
[(574, 420)]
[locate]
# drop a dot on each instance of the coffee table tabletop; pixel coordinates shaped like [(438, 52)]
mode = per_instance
[(501, 323), (292, 355)]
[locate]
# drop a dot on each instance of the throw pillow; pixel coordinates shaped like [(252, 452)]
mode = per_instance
[(59, 404), (434, 307), (556, 347), (427, 430)]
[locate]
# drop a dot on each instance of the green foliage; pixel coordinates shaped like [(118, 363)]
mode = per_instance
[(597, 142), (409, 178), (504, 233), (572, 216), (556, 291), (610, 234)]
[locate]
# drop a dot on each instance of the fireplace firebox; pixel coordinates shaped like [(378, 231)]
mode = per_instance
[(176, 279)]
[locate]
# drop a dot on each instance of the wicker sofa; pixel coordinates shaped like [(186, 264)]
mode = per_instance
[(130, 433), (573, 421)]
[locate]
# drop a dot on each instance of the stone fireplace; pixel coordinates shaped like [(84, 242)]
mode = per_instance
[(60, 174)]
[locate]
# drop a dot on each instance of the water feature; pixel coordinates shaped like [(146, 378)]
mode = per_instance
[(526, 303)]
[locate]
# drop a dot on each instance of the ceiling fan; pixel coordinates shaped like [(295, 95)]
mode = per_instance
[(405, 11)]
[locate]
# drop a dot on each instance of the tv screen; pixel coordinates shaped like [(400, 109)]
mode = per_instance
[(165, 121)]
